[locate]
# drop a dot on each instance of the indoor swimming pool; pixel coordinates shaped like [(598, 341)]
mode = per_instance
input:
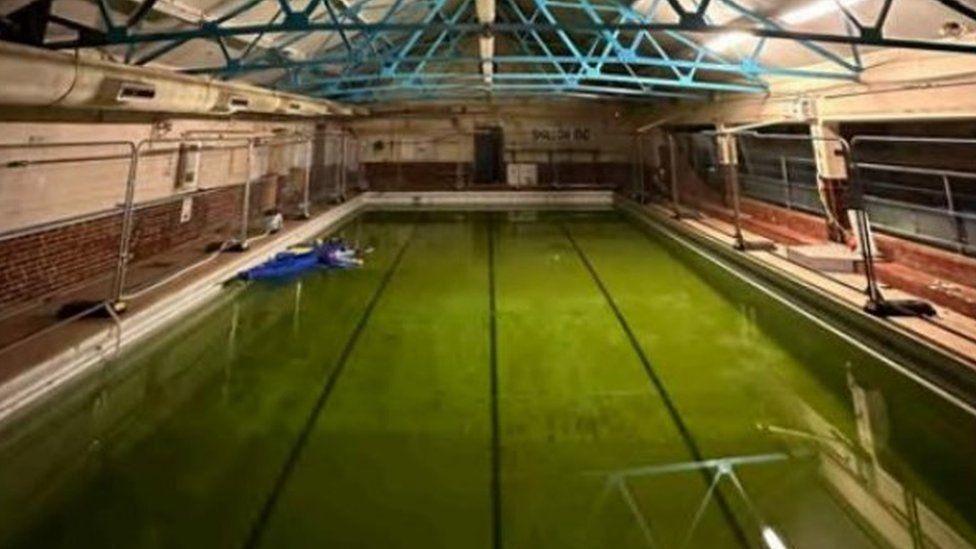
[(505, 379)]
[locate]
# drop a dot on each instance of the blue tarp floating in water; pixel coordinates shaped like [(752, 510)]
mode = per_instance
[(330, 255)]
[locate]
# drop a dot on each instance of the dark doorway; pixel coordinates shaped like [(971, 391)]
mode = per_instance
[(489, 147)]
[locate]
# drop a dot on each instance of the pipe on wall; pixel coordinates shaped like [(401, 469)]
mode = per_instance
[(486, 11), (42, 78)]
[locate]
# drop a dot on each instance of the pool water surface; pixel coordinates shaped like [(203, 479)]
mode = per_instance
[(505, 379)]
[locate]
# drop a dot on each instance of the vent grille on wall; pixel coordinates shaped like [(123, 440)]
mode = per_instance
[(131, 92)]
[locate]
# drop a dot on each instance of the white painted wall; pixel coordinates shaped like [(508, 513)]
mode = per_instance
[(90, 179)]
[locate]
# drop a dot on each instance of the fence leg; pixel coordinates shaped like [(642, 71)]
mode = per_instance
[(241, 243), (343, 152), (128, 216), (729, 164), (673, 165), (732, 180), (399, 166), (639, 191), (962, 237), (784, 170), (867, 257), (307, 183)]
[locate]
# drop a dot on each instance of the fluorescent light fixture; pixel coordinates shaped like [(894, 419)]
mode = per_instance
[(727, 41), (772, 539), (803, 14), (815, 10)]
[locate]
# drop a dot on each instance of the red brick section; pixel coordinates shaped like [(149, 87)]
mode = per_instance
[(415, 176), (957, 297), (941, 276), (38, 264), (57, 260), (585, 173), (806, 228), (939, 263), (945, 278), (215, 215)]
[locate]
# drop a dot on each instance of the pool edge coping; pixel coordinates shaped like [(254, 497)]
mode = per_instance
[(913, 353)]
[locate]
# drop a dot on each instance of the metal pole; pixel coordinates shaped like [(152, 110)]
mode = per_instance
[(342, 163), (639, 191), (128, 215), (246, 200), (784, 170), (399, 166), (876, 300), (673, 174), (961, 236), (306, 185), (732, 177), (554, 168)]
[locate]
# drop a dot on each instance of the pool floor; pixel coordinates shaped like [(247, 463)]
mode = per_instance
[(494, 380)]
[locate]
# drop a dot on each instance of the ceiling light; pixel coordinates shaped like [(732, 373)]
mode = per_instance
[(803, 14), (727, 41), (816, 10)]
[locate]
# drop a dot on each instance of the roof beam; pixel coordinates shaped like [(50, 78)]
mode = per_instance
[(213, 31)]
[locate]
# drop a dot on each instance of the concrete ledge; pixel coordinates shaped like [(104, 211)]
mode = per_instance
[(491, 199)]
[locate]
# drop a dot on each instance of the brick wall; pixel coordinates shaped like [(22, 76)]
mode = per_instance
[(44, 262), (946, 265), (60, 259), (414, 176), (942, 277), (215, 215), (609, 174)]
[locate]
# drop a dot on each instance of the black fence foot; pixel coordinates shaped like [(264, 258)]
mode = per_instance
[(754, 245), (900, 307)]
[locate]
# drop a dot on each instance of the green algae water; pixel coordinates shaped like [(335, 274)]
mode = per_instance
[(494, 380)]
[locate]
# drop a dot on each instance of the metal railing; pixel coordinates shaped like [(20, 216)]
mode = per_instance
[(934, 210), (111, 299), (937, 213)]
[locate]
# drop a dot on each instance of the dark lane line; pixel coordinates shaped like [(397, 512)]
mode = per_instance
[(496, 496), (686, 434), (257, 528)]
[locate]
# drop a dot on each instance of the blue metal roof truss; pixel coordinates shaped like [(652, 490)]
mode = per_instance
[(421, 49)]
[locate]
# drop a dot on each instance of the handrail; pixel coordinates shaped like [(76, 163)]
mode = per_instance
[(915, 170)]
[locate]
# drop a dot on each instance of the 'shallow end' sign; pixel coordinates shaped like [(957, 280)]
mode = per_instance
[(551, 135)]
